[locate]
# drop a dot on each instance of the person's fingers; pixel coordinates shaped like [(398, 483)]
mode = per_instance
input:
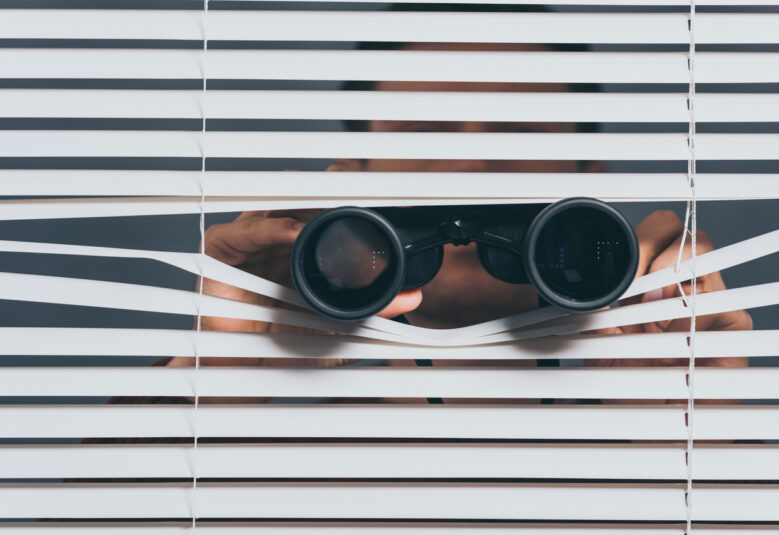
[(301, 214), (737, 320), (669, 257), (405, 301), (655, 295), (253, 213), (606, 330), (234, 243), (655, 233), (670, 253)]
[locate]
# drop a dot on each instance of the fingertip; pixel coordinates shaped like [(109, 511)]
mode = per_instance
[(406, 301), (652, 295), (414, 297)]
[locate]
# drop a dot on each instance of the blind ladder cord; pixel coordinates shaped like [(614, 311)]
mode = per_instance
[(690, 225), (202, 248)]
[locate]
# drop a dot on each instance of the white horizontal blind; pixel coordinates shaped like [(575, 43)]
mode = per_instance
[(151, 111)]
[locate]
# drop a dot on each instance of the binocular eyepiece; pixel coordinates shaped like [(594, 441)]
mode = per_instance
[(349, 263)]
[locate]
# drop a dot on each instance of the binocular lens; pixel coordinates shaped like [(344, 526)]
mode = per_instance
[(349, 263), (584, 254)]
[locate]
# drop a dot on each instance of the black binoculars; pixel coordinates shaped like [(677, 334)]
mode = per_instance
[(349, 263)]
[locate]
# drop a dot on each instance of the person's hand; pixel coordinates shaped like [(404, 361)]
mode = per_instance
[(659, 238), (260, 242)]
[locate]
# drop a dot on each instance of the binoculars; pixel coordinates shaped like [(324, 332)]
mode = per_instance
[(349, 263)]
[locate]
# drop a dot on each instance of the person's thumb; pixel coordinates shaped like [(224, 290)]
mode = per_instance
[(405, 301)]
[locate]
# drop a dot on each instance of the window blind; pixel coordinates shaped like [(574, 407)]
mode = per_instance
[(191, 111)]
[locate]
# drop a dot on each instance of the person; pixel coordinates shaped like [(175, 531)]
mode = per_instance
[(462, 293)]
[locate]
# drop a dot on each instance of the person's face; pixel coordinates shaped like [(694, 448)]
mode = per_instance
[(517, 166)]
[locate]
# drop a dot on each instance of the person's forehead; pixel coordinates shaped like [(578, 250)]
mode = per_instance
[(474, 86)]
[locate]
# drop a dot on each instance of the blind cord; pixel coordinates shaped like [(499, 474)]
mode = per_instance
[(692, 219), (202, 229)]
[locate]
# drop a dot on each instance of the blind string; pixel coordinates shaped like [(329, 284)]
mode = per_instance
[(202, 229), (681, 247), (691, 218)]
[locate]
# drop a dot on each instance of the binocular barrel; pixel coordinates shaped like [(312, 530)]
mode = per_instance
[(580, 254)]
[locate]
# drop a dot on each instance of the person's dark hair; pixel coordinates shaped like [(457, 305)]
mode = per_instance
[(369, 85)]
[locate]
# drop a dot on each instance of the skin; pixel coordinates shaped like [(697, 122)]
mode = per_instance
[(462, 293)]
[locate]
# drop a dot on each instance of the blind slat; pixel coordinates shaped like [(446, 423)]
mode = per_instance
[(387, 26), (472, 66), (362, 105), (161, 342), (451, 145), (575, 461), (760, 462), (347, 187), (366, 501), (488, 145), (450, 27), (732, 504), (662, 422), (117, 207), (391, 145), (583, 67), (484, 106), (389, 105), (101, 24), (606, 383), (475, 66), (491, 27), (348, 501), (342, 26), (84, 143), (115, 104), (607, 422), (356, 461), (619, 383), (111, 64)]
